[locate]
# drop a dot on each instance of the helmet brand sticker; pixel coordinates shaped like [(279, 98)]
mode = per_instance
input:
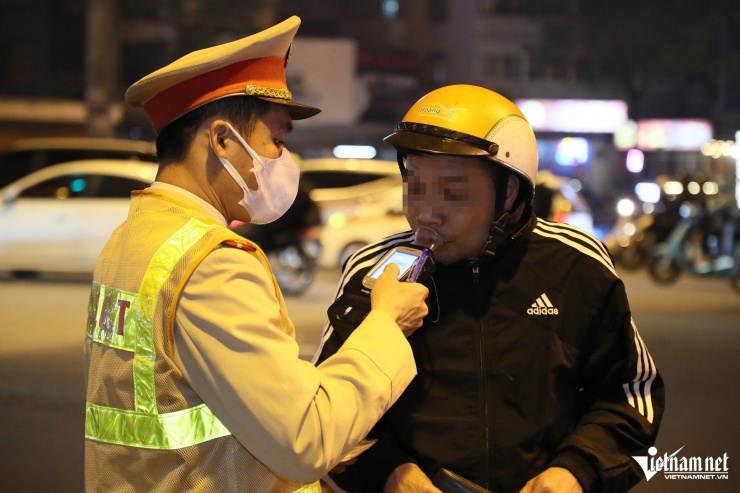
[(441, 111)]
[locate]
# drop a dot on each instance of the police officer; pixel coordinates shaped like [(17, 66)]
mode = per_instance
[(193, 375)]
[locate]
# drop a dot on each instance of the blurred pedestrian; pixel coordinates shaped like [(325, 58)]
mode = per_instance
[(193, 376)]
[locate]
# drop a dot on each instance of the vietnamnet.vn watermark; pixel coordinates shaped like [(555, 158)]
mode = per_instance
[(674, 466)]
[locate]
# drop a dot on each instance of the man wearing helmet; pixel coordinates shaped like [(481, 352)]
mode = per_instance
[(532, 375)]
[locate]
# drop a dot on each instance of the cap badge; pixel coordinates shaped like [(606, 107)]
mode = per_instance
[(256, 90)]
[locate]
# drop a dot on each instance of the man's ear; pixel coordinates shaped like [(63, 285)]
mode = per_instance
[(512, 191), (217, 132)]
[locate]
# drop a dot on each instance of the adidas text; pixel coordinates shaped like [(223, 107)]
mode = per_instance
[(542, 311)]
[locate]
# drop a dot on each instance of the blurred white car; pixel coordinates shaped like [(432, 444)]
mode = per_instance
[(58, 219), (360, 201), (338, 243), (30, 154)]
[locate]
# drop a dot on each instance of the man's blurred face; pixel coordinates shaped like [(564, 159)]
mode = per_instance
[(454, 196)]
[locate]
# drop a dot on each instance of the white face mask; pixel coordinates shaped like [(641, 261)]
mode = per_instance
[(277, 181)]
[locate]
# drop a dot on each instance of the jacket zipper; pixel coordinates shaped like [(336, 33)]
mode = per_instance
[(484, 391)]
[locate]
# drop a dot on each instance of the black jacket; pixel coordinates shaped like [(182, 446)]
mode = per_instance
[(533, 362)]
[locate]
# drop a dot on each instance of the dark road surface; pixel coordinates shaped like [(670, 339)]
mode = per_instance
[(692, 330)]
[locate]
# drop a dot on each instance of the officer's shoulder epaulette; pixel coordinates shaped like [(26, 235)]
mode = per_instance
[(241, 245)]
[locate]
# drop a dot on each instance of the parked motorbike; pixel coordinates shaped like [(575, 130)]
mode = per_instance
[(631, 241), (702, 244), (291, 243), (635, 234), (294, 265)]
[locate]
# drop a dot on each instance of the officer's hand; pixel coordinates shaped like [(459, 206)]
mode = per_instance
[(409, 478), (403, 301), (553, 480)]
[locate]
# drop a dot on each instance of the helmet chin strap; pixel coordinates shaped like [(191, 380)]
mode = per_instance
[(501, 230), (505, 226), (401, 167)]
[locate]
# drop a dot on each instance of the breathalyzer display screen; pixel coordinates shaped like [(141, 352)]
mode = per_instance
[(404, 260)]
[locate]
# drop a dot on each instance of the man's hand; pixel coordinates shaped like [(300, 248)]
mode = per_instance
[(342, 466), (403, 301), (408, 478), (553, 480)]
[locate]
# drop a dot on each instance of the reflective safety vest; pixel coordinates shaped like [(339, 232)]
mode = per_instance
[(145, 428)]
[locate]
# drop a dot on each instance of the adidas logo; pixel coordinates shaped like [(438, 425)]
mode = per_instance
[(542, 306)]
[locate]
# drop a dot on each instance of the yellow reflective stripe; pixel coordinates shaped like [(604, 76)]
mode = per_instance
[(156, 431), (144, 426), (310, 488), (112, 317), (158, 271)]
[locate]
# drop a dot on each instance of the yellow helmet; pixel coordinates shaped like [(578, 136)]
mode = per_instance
[(466, 120)]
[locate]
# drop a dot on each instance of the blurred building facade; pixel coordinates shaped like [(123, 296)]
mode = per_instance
[(682, 65)]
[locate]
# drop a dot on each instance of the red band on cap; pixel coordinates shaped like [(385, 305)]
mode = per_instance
[(177, 100)]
